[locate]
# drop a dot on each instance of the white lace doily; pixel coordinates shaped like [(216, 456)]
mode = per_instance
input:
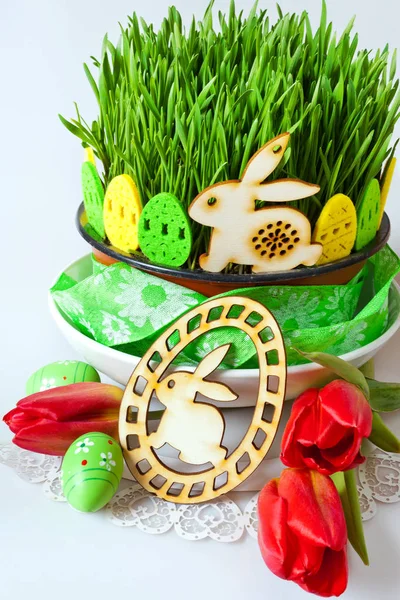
[(221, 520)]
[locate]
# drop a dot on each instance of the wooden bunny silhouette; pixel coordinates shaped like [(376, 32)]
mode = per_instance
[(268, 239), (193, 428)]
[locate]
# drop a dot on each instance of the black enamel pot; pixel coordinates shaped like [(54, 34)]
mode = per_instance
[(211, 284)]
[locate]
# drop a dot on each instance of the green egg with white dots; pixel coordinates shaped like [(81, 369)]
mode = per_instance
[(57, 374), (91, 471), (165, 236)]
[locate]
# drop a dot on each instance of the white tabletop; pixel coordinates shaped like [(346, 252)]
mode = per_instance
[(47, 550)]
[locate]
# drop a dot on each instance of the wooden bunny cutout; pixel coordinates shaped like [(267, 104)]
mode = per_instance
[(268, 239), (194, 428)]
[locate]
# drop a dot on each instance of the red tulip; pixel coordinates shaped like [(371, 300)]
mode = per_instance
[(326, 428), (302, 531), (48, 422)]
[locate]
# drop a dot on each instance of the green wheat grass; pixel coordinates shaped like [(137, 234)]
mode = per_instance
[(181, 109)]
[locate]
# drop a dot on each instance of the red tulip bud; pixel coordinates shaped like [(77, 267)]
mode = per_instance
[(48, 422), (326, 428), (302, 531)]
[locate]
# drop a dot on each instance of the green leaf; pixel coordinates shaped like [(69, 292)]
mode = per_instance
[(384, 397), (346, 486), (340, 367), (382, 437)]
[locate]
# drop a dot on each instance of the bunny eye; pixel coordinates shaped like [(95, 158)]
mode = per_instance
[(277, 149), (171, 383), (212, 201)]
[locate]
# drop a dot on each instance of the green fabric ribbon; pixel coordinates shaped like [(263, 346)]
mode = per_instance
[(128, 309)]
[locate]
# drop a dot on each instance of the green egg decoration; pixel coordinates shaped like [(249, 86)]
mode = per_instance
[(91, 471), (63, 372), (165, 236), (93, 197), (368, 215)]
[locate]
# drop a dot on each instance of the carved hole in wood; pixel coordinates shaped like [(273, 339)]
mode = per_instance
[(173, 339), (266, 334), (132, 414), (212, 201), (158, 481), (273, 384), (221, 480), (235, 311), (272, 357), (140, 385), (268, 413), (143, 466), (214, 314), (175, 489), (259, 438), (243, 462), (154, 362), (132, 441), (253, 319), (197, 489), (194, 324)]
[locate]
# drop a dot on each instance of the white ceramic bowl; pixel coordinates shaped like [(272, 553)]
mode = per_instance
[(119, 366)]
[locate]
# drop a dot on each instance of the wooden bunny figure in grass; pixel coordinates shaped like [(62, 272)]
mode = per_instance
[(194, 428), (268, 239)]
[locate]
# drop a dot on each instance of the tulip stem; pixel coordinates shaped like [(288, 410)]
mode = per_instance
[(368, 369), (381, 435), (347, 487)]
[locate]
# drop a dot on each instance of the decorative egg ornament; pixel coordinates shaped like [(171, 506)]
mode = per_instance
[(93, 197), (122, 208), (165, 236), (57, 374), (336, 229), (368, 215), (91, 471), (196, 429), (386, 183)]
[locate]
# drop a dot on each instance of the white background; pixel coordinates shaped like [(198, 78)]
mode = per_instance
[(46, 550)]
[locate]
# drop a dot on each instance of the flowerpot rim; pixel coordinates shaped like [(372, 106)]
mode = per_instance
[(142, 263)]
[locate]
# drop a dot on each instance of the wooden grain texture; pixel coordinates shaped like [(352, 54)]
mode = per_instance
[(195, 428), (268, 239)]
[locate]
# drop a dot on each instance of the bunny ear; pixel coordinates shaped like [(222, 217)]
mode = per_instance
[(266, 160), (216, 391), (286, 190), (212, 361)]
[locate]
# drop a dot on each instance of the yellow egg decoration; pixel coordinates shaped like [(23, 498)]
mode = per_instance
[(386, 183), (89, 155), (336, 229), (122, 208), (195, 429)]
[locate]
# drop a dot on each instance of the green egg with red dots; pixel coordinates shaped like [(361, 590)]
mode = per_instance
[(57, 374), (91, 471), (165, 236)]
